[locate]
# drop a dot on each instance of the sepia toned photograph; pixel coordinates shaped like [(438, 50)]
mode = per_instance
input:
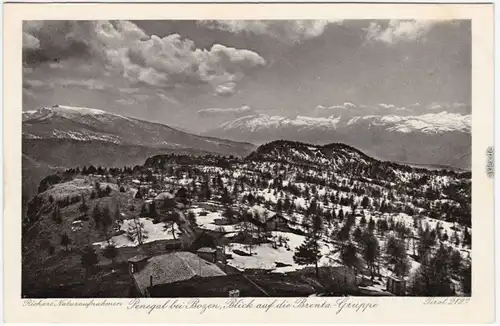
[(248, 163), (246, 158)]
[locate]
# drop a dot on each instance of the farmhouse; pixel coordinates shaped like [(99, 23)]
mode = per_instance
[(277, 223), (211, 254)]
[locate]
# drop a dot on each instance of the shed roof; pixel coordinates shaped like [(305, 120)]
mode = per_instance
[(174, 267), (137, 258), (207, 250)]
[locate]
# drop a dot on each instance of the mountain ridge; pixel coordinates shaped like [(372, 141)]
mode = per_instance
[(392, 138), (130, 130)]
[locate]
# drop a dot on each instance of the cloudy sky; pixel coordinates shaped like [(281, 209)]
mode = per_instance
[(196, 75)]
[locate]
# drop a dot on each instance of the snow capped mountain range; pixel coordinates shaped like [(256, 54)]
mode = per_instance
[(69, 112), (433, 139), (430, 123), (259, 122), (86, 124)]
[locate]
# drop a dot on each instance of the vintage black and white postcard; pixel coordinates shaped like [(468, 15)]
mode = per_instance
[(248, 163)]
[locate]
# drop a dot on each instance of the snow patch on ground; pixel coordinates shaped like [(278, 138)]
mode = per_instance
[(154, 232)]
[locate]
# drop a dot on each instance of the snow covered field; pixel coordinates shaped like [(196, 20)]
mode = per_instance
[(264, 256), (154, 232)]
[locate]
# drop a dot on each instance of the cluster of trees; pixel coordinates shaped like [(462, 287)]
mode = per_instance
[(98, 192), (162, 162), (359, 249), (434, 276)]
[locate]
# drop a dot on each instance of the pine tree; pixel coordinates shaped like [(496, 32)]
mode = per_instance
[(466, 237), (371, 225), (89, 258), (317, 225), (357, 234), (365, 202), (455, 262), (106, 222), (466, 279), (97, 216), (225, 198), (362, 221), (138, 194), (191, 217), (279, 206), (152, 210), (65, 241), (110, 252), (455, 239), (117, 213), (343, 235), (432, 278), (144, 211), (83, 207), (308, 253), (136, 231), (56, 215), (341, 215), (425, 244), (349, 257), (228, 214), (397, 256), (287, 203), (371, 252), (97, 189)]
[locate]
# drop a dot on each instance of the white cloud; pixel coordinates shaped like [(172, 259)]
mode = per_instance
[(141, 97), (453, 107), (33, 83), (166, 98), (129, 90), (170, 60), (30, 42), (387, 106), (226, 89), (350, 109), (399, 31), (216, 112), (123, 101), (56, 65), (128, 50), (285, 30), (92, 84)]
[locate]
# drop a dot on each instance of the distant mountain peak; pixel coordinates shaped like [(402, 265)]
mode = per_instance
[(442, 138), (65, 111), (88, 124)]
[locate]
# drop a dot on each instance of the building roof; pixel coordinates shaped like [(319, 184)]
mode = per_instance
[(260, 284), (137, 258), (163, 195), (174, 267), (207, 250), (276, 216), (218, 286)]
